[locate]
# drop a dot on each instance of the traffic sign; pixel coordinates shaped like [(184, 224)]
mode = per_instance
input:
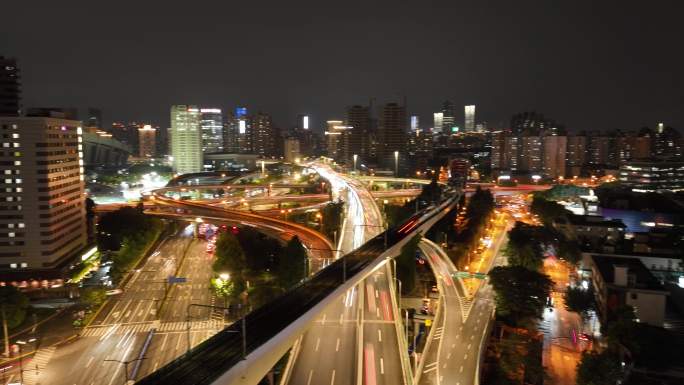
[(428, 322)]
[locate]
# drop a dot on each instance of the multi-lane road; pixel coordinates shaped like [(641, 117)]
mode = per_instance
[(120, 330), (452, 355)]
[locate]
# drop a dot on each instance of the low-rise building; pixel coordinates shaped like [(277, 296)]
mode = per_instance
[(620, 281), (652, 175), (227, 162), (593, 230)]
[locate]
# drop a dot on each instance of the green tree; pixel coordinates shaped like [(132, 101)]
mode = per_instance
[(13, 304), (332, 218), (406, 264), (292, 263), (579, 300), (93, 296), (520, 293), (598, 368), (230, 257), (547, 210), (523, 248)]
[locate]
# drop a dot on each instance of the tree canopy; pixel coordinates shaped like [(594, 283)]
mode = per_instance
[(520, 293), (598, 368), (13, 304), (406, 264), (579, 300), (292, 263), (230, 257)]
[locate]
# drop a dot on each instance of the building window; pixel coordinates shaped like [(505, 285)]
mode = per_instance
[(13, 265), (24, 264)]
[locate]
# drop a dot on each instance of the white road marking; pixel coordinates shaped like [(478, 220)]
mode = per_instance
[(332, 378), (318, 342), (465, 356), (460, 370), (308, 382), (468, 346), (90, 361), (337, 345), (379, 335), (449, 356), (382, 366)]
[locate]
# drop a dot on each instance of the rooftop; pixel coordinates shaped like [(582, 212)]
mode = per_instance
[(591, 220), (644, 279)]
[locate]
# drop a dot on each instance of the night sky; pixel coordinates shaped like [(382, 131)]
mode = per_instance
[(593, 65)]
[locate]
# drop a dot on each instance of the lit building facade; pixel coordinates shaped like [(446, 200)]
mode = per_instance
[(264, 135), (186, 139), (211, 124), (359, 119), (469, 121), (43, 224), (147, 139), (652, 175), (291, 149), (391, 134)]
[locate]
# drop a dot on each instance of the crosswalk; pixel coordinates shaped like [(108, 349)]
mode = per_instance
[(37, 365), (438, 333), (142, 327)]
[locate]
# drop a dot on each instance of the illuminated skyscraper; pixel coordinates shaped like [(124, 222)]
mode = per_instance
[(415, 123), (359, 119), (212, 130), (392, 135), (147, 139), (448, 116), (438, 122), (263, 134), (43, 205), (186, 139), (469, 123)]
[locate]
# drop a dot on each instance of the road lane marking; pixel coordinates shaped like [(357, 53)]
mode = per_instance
[(444, 366), (449, 356), (318, 342), (324, 315), (460, 370), (308, 382), (472, 337), (377, 312), (382, 366), (469, 346), (337, 345), (465, 356), (379, 335), (90, 361), (332, 378), (178, 343), (341, 318)]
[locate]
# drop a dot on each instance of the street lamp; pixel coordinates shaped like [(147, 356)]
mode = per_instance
[(224, 276), (396, 163), (21, 359), (355, 158)]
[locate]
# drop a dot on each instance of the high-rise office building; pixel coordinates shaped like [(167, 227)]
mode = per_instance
[(94, 118), (10, 92), (469, 121), (576, 154), (147, 139), (415, 123), (186, 139), (359, 119), (211, 123), (392, 135), (43, 224), (554, 155), (448, 116), (291, 149), (263, 138), (437, 122), (237, 132), (337, 138)]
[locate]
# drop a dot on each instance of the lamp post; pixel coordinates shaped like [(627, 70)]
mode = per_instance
[(355, 158), (396, 163), (21, 343)]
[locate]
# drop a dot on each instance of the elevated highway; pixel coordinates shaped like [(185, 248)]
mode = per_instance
[(245, 351)]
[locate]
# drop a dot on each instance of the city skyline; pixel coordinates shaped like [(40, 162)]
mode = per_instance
[(598, 77)]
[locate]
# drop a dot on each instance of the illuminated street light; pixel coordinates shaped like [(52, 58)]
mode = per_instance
[(199, 220), (355, 158), (224, 276)]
